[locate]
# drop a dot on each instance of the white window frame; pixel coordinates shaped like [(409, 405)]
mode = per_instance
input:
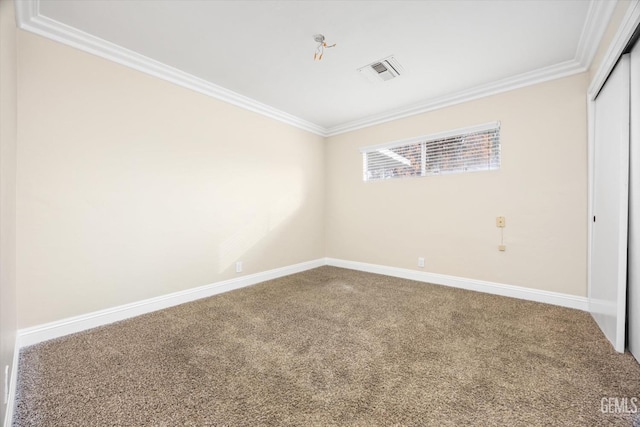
[(424, 141)]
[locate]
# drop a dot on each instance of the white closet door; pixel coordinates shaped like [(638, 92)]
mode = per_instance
[(607, 293), (634, 209)]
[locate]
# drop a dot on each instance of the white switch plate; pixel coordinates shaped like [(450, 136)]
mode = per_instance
[(239, 267), (421, 262), (500, 222)]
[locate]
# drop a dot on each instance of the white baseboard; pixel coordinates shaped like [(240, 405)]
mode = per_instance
[(30, 336), (554, 298), (11, 396), (36, 334)]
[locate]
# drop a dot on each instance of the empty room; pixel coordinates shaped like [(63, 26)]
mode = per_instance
[(323, 213)]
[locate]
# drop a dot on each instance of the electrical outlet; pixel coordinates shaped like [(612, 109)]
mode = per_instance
[(421, 262), (500, 222), (502, 248), (239, 267)]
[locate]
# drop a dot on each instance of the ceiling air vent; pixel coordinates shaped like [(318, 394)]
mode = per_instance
[(382, 70)]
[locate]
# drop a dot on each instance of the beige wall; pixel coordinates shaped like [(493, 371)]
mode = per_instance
[(450, 220), (130, 187), (8, 135)]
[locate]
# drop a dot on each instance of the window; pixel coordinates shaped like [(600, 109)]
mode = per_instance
[(471, 149)]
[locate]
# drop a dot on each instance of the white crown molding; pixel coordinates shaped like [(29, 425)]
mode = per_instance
[(564, 69), (630, 22), (39, 333), (598, 17), (529, 294), (29, 18)]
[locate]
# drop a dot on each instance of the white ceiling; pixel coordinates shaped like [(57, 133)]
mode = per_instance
[(264, 50)]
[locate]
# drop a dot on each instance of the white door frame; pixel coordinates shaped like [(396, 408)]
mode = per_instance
[(633, 292), (629, 23)]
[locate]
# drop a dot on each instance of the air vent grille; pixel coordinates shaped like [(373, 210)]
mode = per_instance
[(379, 67), (382, 70)]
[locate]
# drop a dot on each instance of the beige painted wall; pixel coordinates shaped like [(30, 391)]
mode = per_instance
[(130, 187), (450, 220), (8, 135)]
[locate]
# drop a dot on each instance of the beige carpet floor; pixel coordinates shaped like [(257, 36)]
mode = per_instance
[(333, 347)]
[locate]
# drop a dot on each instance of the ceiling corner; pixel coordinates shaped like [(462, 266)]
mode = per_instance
[(595, 24), (26, 10), (598, 15), (557, 71), (28, 18)]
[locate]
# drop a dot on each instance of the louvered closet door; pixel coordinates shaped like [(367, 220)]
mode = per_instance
[(607, 293)]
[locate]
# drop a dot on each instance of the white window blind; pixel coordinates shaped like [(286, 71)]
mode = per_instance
[(470, 149)]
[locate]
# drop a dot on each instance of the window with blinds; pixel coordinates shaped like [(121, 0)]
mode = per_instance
[(471, 149)]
